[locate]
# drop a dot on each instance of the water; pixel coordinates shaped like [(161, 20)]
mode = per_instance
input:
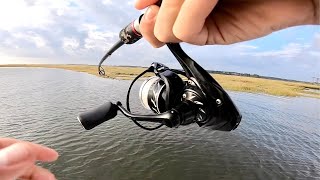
[(278, 137)]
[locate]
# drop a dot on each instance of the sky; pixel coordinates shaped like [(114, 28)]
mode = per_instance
[(81, 31)]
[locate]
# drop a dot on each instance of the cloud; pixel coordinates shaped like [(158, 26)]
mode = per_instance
[(291, 50), (70, 45), (298, 60), (97, 39), (34, 38), (316, 42), (30, 13), (107, 2), (27, 27), (131, 2), (81, 31)]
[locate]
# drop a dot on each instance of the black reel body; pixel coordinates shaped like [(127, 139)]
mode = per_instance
[(161, 92), (222, 114), (208, 104), (198, 99)]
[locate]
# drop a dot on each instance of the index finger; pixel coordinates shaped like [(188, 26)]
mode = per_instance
[(4, 142), (22, 149), (190, 23), (42, 153)]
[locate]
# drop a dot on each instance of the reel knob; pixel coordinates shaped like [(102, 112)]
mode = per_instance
[(96, 116)]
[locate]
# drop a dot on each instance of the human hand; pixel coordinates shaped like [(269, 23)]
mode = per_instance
[(18, 158), (204, 22)]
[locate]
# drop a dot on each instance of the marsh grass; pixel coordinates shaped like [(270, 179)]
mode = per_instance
[(228, 82), (266, 86)]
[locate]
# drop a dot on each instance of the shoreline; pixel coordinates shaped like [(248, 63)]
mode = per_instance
[(228, 82)]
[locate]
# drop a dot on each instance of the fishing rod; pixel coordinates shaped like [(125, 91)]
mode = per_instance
[(174, 101)]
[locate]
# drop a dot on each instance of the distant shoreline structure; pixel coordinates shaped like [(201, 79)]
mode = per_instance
[(230, 73), (242, 82), (131, 66)]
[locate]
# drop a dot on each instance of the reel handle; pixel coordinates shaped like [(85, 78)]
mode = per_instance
[(170, 118), (96, 116), (107, 111)]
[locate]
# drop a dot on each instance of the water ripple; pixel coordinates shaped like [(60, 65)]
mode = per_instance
[(278, 138)]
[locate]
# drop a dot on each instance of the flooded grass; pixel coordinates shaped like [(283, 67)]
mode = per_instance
[(229, 82)]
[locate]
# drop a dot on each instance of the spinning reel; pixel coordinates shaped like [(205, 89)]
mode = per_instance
[(199, 99)]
